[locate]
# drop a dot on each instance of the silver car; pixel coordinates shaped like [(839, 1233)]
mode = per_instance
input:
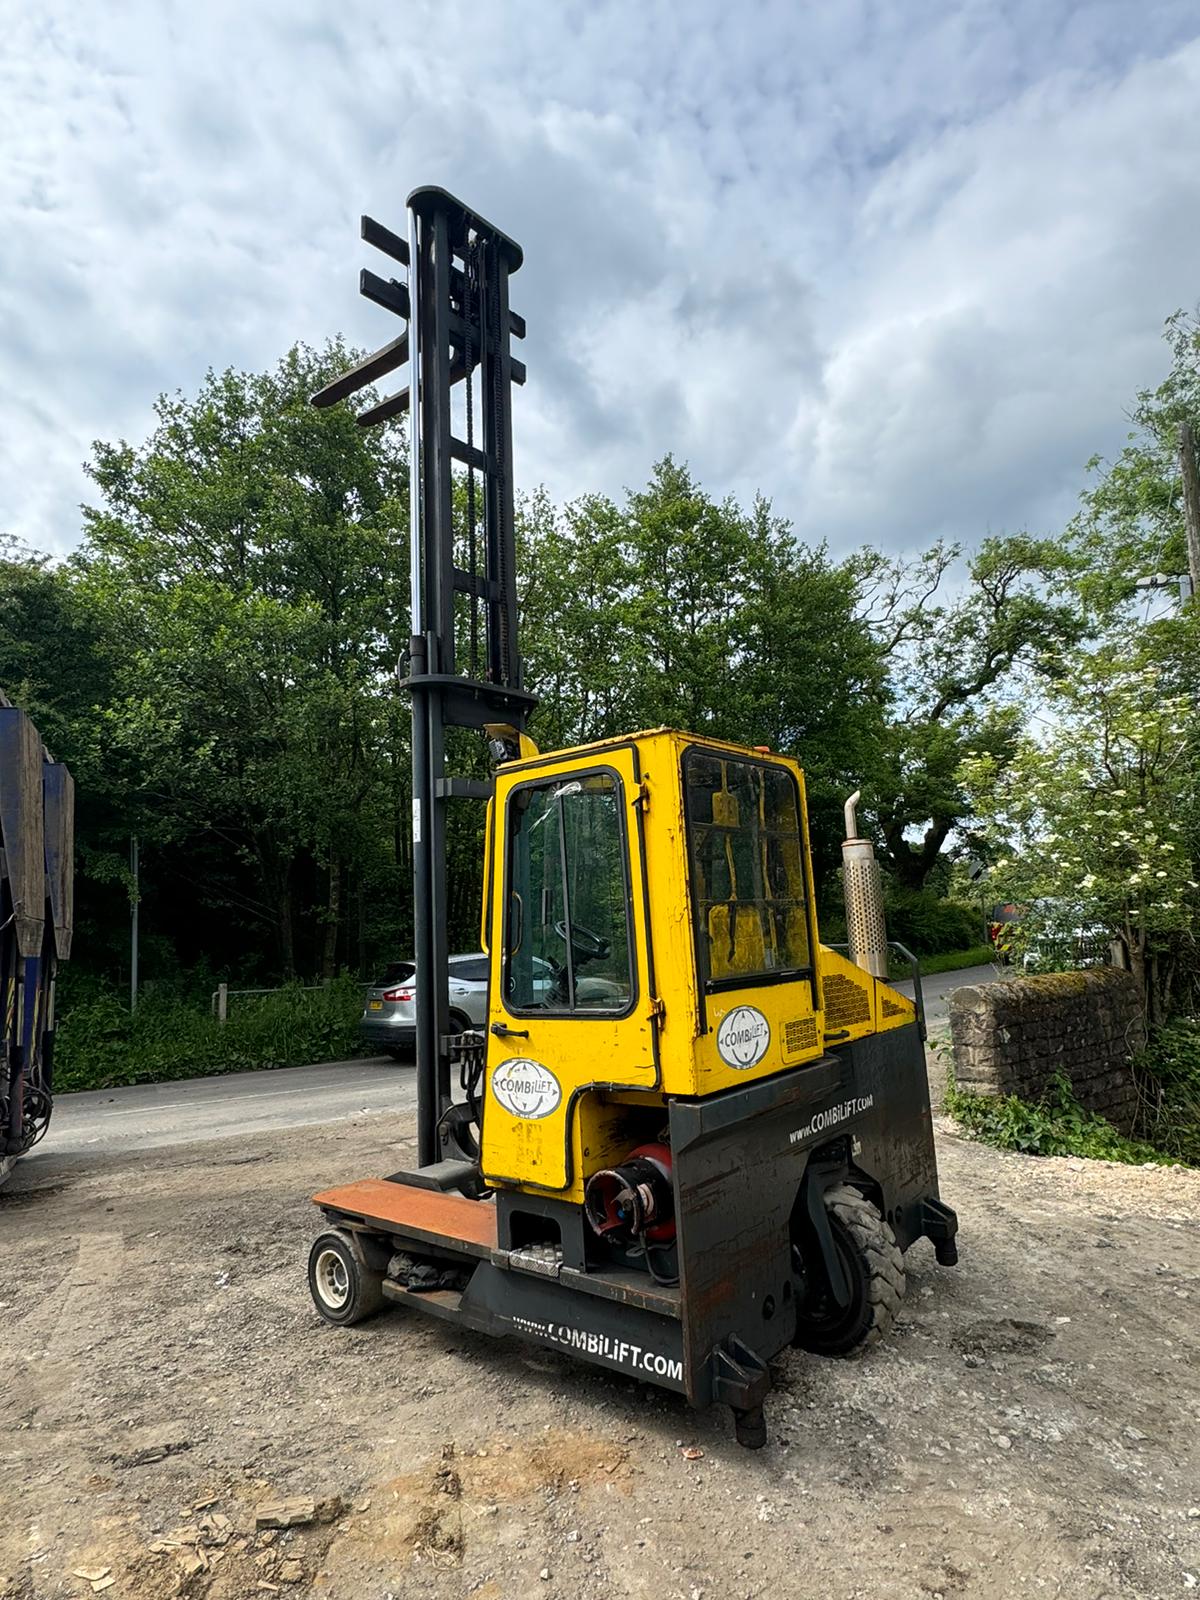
[(389, 1019)]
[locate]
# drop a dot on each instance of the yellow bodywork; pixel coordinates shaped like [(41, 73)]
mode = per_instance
[(586, 1086)]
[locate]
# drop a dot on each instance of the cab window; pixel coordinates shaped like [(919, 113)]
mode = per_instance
[(567, 934), (748, 875)]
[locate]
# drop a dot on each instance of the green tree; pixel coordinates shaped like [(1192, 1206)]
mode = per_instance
[(674, 609), (1130, 524), (959, 649), (1098, 813), (249, 561)]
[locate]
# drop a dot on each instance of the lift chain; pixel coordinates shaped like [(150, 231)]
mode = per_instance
[(471, 309)]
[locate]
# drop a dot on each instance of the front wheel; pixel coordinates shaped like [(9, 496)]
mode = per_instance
[(874, 1268), (344, 1291)]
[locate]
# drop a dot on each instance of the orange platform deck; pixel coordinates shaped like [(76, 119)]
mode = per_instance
[(426, 1214)]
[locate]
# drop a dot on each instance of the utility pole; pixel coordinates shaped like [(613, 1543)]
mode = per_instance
[(1191, 502), (133, 923)]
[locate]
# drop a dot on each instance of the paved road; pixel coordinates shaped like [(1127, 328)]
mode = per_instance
[(152, 1116), (938, 987), (149, 1116)]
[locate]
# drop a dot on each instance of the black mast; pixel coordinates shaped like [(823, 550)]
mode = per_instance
[(459, 331)]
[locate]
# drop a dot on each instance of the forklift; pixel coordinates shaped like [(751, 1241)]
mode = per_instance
[(691, 1134)]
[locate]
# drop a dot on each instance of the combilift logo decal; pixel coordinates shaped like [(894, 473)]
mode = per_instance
[(604, 1346), (743, 1037), (832, 1118), (526, 1088)]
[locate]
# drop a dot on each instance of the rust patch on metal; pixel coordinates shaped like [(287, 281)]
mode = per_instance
[(411, 1210)]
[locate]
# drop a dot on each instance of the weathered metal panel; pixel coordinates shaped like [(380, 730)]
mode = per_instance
[(740, 1159), (58, 788), (21, 826), (609, 1333), (426, 1214)]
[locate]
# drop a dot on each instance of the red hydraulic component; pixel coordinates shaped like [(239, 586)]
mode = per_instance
[(634, 1201)]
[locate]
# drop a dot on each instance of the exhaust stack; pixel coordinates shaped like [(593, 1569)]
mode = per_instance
[(865, 926)]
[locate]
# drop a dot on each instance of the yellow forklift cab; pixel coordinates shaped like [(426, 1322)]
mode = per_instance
[(601, 989)]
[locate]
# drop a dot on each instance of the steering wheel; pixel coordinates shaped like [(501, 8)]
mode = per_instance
[(585, 945)]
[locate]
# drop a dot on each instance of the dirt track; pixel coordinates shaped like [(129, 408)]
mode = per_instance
[(1030, 1428)]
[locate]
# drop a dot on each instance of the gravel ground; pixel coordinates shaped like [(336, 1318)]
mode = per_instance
[(1030, 1426)]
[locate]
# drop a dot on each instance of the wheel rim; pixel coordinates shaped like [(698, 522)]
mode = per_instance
[(332, 1279), (823, 1318)]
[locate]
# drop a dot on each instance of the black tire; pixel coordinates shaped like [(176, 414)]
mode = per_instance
[(875, 1267), (458, 1022), (344, 1291)]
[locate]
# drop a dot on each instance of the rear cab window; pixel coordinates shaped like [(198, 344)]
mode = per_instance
[(749, 879)]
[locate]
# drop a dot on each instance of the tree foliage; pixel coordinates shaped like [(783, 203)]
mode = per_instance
[(240, 574), (1099, 812), (673, 609), (217, 664), (956, 666)]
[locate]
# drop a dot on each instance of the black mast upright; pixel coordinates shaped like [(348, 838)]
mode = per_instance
[(459, 331)]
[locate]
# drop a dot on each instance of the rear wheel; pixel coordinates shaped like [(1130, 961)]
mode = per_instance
[(874, 1268), (344, 1291)]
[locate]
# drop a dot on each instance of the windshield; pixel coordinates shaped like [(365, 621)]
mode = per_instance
[(567, 938)]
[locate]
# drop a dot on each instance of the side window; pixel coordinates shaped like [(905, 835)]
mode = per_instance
[(473, 971), (567, 935), (747, 856)]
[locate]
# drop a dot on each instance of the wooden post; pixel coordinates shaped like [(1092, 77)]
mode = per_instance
[(222, 999), (1191, 503)]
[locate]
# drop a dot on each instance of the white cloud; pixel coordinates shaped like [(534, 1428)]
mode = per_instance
[(901, 275)]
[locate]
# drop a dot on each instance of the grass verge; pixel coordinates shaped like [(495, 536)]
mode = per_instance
[(980, 955), (99, 1045)]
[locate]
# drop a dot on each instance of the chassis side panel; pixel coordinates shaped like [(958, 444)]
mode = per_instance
[(739, 1164)]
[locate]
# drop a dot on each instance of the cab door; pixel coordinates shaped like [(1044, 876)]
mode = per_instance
[(571, 991)]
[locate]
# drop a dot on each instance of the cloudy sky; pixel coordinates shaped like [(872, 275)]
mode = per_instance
[(901, 265)]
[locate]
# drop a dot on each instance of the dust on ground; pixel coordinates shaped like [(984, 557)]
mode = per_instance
[(1030, 1427)]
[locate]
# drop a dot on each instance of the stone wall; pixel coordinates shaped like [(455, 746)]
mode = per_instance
[(1012, 1037)]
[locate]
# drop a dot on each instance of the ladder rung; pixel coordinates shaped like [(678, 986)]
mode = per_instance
[(395, 404), (385, 360), (477, 585), (385, 292), (384, 239), (462, 451)]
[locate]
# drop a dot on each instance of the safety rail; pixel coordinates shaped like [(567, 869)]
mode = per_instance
[(222, 993)]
